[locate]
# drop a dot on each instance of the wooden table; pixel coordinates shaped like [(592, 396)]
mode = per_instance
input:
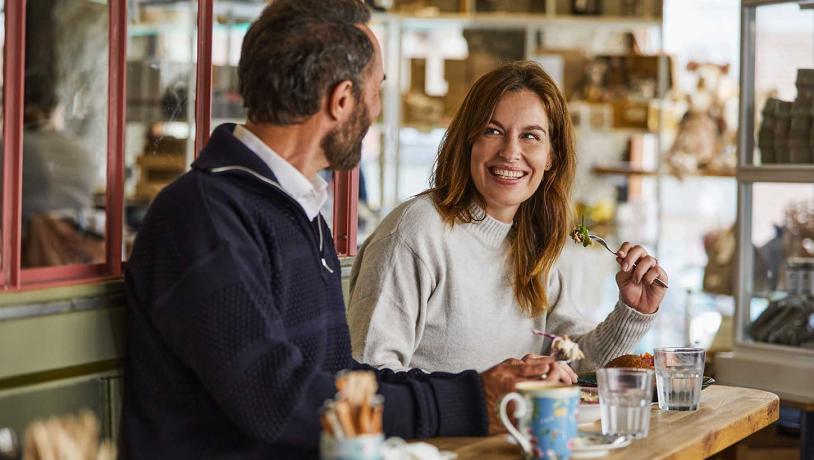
[(727, 415)]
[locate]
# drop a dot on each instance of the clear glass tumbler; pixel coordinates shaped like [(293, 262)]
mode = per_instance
[(679, 373), (624, 401)]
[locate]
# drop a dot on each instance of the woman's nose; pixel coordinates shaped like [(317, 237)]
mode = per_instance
[(511, 150)]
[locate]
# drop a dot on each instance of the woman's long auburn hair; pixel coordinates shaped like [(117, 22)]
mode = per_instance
[(542, 222)]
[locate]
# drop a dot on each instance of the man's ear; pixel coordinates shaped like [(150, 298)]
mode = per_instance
[(340, 100)]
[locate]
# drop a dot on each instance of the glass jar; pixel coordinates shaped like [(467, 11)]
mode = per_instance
[(790, 320)]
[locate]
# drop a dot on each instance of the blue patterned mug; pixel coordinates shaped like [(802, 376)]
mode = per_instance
[(546, 415)]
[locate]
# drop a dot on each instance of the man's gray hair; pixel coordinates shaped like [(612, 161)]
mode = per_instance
[(297, 52)]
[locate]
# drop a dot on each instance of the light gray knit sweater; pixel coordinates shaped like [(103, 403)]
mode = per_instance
[(439, 298)]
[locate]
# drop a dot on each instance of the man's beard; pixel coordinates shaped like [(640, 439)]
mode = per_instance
[(343, 145)]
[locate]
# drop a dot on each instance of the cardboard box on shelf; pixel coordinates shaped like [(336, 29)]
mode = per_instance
[(591, 116), (635, 8), (631, 114), (457, 75), (510, 6), (427, 6), (419, 109)]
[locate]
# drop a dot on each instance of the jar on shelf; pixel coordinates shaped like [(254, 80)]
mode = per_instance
[(789, 320), (782, 124), (765, 135), (801, 119), (798, 233)]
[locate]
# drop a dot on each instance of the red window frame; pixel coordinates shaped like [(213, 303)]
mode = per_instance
[(12, 275)]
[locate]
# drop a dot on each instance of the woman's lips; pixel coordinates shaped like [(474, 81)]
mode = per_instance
[(506, 176)]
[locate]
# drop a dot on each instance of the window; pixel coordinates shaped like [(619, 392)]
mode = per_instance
[(105, 102)]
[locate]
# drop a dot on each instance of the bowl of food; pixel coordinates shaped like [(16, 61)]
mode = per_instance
[(588, 410)]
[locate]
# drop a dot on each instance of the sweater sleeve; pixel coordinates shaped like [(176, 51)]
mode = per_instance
[(617, 335), (390, 289), (221, 320), (457, 399)]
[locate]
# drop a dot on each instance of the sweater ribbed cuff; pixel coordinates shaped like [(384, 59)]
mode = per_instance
[(461, 405), (619, 333)]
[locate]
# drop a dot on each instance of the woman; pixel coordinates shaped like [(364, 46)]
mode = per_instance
[(457, 277)]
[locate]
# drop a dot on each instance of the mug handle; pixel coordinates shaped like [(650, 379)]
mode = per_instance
[(519, 411)]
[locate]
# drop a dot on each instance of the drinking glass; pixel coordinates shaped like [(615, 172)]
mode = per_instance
[(624, 401), (679, 373)]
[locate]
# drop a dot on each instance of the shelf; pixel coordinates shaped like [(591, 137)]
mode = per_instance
[(516, 21), (624, 170), (777, 173), (756, 3)]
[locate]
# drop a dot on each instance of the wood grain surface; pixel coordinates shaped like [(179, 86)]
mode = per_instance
[(727, 415)]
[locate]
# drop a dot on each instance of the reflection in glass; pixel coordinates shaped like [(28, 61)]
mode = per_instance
[(783, 286), (784, 84), (160, 125), (65, 133)]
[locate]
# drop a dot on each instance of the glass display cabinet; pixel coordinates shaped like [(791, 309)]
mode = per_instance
[(774, 333)]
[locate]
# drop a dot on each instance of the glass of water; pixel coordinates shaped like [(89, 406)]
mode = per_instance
[(679, 373), (624, 401)]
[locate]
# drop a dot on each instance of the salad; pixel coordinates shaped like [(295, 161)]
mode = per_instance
[(581, 235)]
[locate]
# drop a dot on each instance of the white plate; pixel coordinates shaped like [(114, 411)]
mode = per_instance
[(594, 445), (587, 413)]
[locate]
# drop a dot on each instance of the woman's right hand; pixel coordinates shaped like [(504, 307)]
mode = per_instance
[(562, 373)]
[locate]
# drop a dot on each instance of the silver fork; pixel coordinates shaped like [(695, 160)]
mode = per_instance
[(604, 244)]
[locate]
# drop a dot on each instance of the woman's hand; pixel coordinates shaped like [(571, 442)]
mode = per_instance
[(561, 373), (637, 286)]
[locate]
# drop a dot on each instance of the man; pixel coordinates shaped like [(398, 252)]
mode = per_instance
[(236, 323)]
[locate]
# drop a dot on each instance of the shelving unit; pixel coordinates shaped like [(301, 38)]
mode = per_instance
[(785, 370), (394, 26)]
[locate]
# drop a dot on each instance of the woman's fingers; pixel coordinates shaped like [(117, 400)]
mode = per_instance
[(534, 366), (561, 373), (653, 273), (631, 258), (644, 265), (570, 372), (623, 249)]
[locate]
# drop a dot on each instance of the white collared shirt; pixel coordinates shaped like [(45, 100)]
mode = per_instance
[(311, 195)]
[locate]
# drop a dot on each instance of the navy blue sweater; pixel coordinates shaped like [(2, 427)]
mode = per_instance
[(236, 325)]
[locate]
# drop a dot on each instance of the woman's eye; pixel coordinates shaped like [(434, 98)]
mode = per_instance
[(531, 136), (491, 131)]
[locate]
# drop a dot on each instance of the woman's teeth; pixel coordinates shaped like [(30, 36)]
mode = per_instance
[(507, 173)]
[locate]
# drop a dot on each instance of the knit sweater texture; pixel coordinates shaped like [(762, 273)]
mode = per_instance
[(236, 328), (432, 296)]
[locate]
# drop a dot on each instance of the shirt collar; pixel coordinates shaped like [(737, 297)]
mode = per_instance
[(311, 195)]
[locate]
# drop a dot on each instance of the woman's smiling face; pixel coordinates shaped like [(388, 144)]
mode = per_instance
[(511, 154)]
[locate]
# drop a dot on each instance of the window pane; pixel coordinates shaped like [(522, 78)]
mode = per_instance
[(160, 113), (784, 84), (65, 132), (782, 263)]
